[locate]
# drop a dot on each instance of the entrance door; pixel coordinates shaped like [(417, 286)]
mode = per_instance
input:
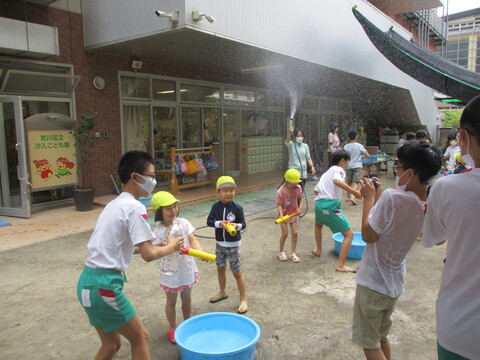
[(14, 191)]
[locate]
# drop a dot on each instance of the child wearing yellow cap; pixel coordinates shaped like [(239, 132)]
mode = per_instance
[(226, 212), (289, 200), (178, 272)]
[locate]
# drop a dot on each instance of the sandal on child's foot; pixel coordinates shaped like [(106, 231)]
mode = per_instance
[(171, 336), (282, 256), (294, 258)]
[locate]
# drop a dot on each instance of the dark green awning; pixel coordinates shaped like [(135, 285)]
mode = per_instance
[(423, 65)]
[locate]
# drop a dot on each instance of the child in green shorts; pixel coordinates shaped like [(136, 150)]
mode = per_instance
[(328, 211), (121, 229)]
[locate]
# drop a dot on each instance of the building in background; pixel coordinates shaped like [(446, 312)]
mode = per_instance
[(463, 46), (190, 74)]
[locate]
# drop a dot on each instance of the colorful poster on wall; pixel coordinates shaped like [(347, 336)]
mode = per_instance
[(52, 159)]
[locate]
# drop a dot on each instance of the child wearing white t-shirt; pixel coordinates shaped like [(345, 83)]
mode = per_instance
[(328, 207), (390, 227), (178, 272), (452, 216), (451, 151), (121, 230)]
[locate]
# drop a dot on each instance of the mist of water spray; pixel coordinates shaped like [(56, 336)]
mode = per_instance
[(295, 92)]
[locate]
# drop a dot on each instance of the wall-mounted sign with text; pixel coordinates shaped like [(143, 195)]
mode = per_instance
[(52, 159)]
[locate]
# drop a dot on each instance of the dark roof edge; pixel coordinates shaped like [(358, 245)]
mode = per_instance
[(462, 14)]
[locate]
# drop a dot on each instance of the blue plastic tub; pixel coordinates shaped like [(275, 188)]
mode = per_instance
[(356, 250), (369, 160), (217, 335), (146, 200)]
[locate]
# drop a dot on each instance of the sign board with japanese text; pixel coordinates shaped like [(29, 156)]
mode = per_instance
[(52, 159)]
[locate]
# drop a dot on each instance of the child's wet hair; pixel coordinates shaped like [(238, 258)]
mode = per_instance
[(352, 135), (340, 155), (133, 162), (422, 157)]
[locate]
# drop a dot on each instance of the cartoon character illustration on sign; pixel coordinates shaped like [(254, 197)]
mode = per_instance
[(43, 169), (63, 167)]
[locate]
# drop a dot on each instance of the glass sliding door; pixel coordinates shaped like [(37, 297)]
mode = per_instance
[(14, 191), (191, 122), (231, 139), (136, 128), (164, 135)]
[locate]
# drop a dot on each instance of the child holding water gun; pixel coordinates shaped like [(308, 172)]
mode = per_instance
[(178, 272), (225, 214), (289, 200)]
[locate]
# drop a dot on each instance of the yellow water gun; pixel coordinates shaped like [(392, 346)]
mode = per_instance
[(286, 217)]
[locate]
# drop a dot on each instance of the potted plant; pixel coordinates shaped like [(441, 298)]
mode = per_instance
[(84, 135)]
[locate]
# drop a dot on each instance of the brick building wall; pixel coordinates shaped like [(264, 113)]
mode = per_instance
[(107, 150)]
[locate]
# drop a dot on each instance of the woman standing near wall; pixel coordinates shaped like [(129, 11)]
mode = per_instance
[(333, 142), (298, 153)]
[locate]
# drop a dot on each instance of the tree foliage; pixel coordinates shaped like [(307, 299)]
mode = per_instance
[(84, 135), (451, 118)]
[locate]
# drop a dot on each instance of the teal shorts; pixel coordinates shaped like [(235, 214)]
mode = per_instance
[(328, 212), (444, 354), (100, 292)]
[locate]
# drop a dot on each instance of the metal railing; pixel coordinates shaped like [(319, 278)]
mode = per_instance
[(432, 23)]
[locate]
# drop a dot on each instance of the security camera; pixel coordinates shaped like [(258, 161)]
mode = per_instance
[(173, 16), (197, 16), (209, 18)]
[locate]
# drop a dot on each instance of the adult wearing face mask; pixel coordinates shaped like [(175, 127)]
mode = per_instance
[(298, 153), (452, 216), (333, 142), (451, 151)]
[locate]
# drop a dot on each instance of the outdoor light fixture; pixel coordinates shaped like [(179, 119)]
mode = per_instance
[(173, 16), (197, 16)]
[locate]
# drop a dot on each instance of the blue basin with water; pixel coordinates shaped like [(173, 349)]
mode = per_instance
[(217, 335), (357, 248)]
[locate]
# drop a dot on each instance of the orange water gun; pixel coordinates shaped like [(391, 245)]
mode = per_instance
[(286, 217), (199, 254)]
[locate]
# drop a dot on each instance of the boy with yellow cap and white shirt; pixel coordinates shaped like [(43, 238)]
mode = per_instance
[(224, 214)]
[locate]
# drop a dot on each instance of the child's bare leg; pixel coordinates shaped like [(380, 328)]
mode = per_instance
[(111, 343), (294, 228), (318, 239), (284, 235), (170, 310), (385, 346), (242, 289), (186, 296), (138, 337), (347, 243), (222, 280), (374, 354), (349, 196)]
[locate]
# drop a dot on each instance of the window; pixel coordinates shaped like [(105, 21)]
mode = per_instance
[(36, 83), (135, 87), (163, 90), (200, 93), (269, 99), (136, 128), (310, 103), (239, 97)]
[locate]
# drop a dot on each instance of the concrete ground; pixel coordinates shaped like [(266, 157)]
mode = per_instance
[(304, 310)]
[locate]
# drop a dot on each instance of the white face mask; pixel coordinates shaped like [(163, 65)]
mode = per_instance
[(467, 158), (299, 139), (149, 184), (453, 143), (397, 180)]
